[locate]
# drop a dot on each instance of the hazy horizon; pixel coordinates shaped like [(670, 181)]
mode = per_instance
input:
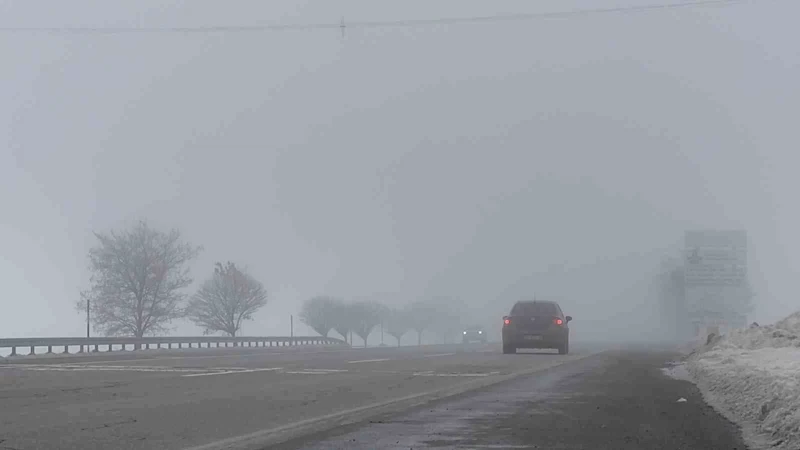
[(466, 160)]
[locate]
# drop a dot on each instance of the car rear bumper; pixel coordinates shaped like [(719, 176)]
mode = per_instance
[(546, 339)]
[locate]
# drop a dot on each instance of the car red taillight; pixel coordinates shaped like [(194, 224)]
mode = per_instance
[(507, 322), (559, 321)]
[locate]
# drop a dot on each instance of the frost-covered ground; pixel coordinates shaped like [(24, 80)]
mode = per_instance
[(753, 377)]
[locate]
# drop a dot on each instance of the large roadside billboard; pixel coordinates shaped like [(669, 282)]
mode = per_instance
[(715, 277)]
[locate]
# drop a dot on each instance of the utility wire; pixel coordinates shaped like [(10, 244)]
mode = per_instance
[(373, 24)]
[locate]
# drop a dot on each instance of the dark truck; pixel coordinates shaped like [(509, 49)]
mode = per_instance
[(536, 324)]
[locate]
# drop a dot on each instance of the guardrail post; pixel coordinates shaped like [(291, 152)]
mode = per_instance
[(97, 347), (13, 351), (81, 349), (66, 349), (49, 349), (109, 347), (33, 351)]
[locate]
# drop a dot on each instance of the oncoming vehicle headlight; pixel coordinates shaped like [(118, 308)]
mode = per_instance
[(480, 332), (465, 332)]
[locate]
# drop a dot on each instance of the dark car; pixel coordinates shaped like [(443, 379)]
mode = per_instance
[(536, 324), (474, 333)]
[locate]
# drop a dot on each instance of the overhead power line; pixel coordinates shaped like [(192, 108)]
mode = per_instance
[(375, 24)]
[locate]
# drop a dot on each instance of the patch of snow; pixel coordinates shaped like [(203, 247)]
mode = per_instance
[(753, 377), (678, 372), (785, 333)]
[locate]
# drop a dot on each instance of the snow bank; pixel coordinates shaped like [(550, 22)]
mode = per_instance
[(753, 377)]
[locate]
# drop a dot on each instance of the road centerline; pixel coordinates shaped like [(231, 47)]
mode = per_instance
[(369, 360), (270, 369)]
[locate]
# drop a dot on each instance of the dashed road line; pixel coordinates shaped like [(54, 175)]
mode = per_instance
[(211, 371), (307, 372), (53, 368), (232, 371), (227, 355), (453, 374), (438, 354), (316, 371), (369, 360)]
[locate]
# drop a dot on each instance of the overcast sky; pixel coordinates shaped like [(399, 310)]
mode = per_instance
[(411, 161)]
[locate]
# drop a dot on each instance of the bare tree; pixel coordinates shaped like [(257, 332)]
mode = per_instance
[(397, 323), (421, 315), (319, 313), (136, 282), (342, 320), (366, 316), (228, 298)]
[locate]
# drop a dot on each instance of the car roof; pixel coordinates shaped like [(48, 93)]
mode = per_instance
[(541, 302), (541, 305)]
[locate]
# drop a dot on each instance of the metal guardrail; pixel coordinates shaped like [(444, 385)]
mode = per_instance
[(94, 344)]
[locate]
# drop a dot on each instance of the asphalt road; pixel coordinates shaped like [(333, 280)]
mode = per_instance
[(615, 400), (473, 397), (245, 398)]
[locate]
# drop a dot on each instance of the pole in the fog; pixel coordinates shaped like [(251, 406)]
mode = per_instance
[(88, 302), (291, 327)]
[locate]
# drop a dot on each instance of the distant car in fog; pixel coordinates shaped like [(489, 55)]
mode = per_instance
[(536, 324), (474, 333)]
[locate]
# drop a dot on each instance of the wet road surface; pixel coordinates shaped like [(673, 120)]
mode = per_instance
[(242, 399), (615, 400)]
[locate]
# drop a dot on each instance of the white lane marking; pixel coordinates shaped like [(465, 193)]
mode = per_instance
[(431, 374), (438, 354), (316, 371), (190, 372), (49, 368), (503, 446), (308, 372), (232, 371), (231, 355), (369, 360)]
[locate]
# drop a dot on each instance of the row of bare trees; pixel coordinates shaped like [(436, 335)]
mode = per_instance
[(138, 281), (139, 278), (325, 314)]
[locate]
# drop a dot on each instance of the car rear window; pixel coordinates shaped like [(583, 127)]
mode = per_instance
[(534, 309)]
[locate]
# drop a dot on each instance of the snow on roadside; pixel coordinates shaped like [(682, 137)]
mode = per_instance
[(753, 377)]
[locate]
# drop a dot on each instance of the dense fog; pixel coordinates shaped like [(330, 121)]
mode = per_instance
[(485, 162)]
